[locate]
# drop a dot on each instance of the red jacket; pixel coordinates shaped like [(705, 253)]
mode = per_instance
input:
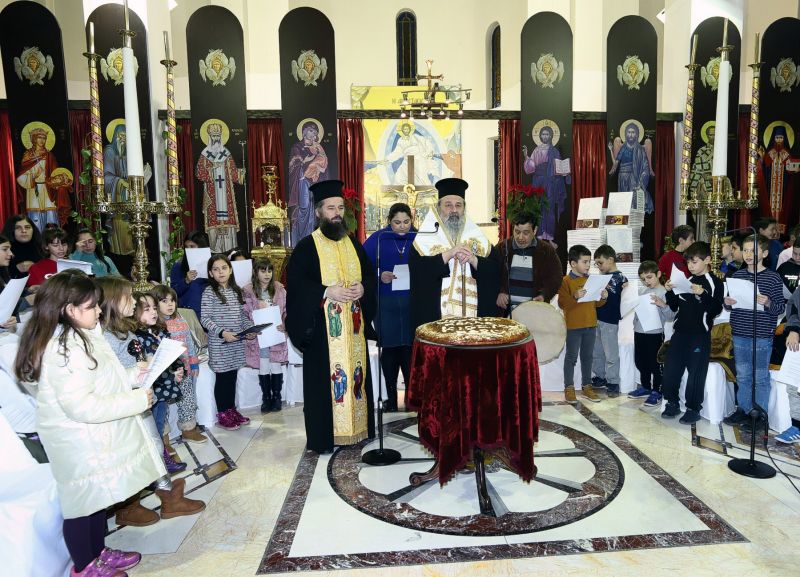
[(672, 257), (41, 271)]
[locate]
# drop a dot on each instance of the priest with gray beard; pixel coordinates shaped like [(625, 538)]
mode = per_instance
[(451, 252), (330, 301)]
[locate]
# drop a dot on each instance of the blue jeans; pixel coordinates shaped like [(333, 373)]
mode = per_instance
[(743, 355), (160, 409)]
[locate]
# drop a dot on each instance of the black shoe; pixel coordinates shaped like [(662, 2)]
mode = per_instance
[(671, 411), (689, 417), (277, 385), (747, 424), (736, 418), (612, 391), (265, 381), (598, 383)]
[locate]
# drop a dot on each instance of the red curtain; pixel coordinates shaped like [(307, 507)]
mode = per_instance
[(186, 172), (9, 201), (79, 131), (588, 161), (742, 218), (351, 163), (665, 183), (510, 166), (264, 146)]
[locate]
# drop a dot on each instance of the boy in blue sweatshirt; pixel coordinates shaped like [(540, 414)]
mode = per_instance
[(605, 362)]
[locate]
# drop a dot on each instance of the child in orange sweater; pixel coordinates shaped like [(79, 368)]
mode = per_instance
[(581, 319)]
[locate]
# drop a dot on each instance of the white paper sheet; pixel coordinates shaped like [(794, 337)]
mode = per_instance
[(167, 352), (648, 313), (594, 286), (619, 203), (295, 356), (741, 290), (630, 298), (197, 258), (790, 369), (242, 272), (10, 296), (270, 335), (403, 280), (680, 284), (63, 264), (590, 208)]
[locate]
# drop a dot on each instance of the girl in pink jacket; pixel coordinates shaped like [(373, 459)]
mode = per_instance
[(264, 291)]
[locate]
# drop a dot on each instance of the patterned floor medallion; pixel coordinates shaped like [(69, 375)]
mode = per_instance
[(588, 474)]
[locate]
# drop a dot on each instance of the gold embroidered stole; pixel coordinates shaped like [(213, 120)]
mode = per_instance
[(347, 349), (434, 244)]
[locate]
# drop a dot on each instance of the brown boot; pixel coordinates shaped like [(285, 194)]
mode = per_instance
[(135, 515), (174, 504)]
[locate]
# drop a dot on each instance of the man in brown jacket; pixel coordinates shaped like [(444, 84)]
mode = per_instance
[(529, 267)]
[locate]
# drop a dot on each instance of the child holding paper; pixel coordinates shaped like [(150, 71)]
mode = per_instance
[(581, 319), (178, 328), (224, 317), (648, 341), (264, 291), (605, 364), (690, 346), (682, 238), (55, 245), (150, 329), (792, 434), (770, 296)]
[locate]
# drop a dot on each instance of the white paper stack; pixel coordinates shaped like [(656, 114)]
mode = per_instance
[(626, 240)]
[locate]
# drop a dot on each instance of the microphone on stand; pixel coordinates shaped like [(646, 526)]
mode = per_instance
[(382, 456), (749, 467)]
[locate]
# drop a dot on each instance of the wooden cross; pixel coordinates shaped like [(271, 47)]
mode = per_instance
[(409, 192)]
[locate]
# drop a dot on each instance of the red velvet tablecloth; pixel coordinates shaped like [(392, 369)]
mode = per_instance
[(468, 397)]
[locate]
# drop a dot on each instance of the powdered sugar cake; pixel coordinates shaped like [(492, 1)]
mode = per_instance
[(469, 331)]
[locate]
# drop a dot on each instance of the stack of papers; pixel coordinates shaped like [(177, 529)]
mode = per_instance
[(630, 270), (621, 209), (626, 240), (590, 213)]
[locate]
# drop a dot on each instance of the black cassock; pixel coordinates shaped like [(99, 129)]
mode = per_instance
[(305, 325), (427, 273)]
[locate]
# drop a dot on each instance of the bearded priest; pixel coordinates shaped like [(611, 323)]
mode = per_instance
[(450, 249), (330, 300)]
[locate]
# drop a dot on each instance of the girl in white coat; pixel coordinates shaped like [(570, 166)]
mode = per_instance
[(88, 419)]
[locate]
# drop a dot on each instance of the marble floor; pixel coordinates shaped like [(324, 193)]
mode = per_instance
[(620, 492)]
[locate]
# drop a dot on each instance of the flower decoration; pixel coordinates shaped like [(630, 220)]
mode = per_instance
[(526, 199), (352, 208)]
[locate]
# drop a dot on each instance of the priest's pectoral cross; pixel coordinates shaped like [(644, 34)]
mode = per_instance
[(408, 193)]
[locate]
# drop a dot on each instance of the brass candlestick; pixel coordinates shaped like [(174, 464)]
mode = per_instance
[(722, 197)]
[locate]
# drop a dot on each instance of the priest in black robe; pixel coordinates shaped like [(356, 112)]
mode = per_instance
[(450, 253), (330, 301)]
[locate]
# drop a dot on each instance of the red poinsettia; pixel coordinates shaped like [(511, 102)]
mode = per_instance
[(352, 205), (350, 193), (526, 199)]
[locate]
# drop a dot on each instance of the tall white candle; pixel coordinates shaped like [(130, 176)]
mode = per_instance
[(133, 141), (719, 166)]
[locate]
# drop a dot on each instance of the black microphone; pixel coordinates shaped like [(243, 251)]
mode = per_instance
[(434, 231)]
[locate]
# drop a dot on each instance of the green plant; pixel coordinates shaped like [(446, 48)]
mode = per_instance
[(89, 214), (177, 229), (352, 208)]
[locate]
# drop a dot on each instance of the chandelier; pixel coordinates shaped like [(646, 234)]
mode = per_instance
[(433, 101)]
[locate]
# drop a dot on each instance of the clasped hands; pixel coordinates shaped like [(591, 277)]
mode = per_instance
[(462, 253), (342, 294)]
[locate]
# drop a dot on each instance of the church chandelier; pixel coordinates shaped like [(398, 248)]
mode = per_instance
[(433, 100)]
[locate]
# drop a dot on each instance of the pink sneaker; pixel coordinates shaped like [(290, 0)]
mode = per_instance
[(240, 418), (97, 569), (121, 560), (226, 421)]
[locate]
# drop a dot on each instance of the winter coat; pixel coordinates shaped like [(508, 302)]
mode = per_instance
[(277, 353), (90, 425)]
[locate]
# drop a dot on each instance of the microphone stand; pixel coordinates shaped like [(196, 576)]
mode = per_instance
[(749, 467), (381, 456)]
